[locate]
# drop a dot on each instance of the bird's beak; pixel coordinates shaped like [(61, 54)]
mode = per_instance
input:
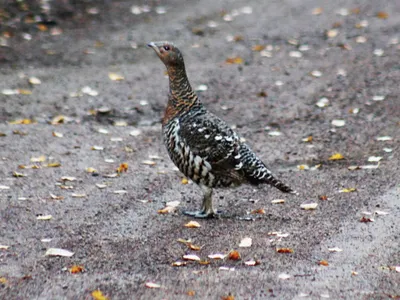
[(155, 46)]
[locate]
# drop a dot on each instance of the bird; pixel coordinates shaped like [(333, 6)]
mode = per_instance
[(202, 145)]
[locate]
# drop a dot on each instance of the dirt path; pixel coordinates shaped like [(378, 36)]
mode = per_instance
[(111, 223)]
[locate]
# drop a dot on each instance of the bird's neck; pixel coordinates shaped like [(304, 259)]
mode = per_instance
[(181, 95)]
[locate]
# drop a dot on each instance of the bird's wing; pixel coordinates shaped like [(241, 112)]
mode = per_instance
[(211, 138)]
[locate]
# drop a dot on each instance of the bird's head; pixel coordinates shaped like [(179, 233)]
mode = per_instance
[(168, 53)]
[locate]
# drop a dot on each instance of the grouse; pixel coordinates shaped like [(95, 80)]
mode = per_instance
[(201, 145)]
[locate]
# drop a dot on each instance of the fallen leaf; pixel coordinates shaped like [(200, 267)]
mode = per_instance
[(3, 281), (284, 250), (44, 217), (184, 181), (122, 168), (317, 11), (335, 249), (68, 178), (365, 219), (323, 197), (57, 134), (252, 263), (16, 174), (338, 123), (384, 138), (217, 256), (54, 197), (115, 76), (4, 187), (166, 210), (284, 276), (191, 293), (53, 165), (303, 167), (101, 185), (260, 211), (21, 122), (309, 206), (90, 170), (382, 15), (75, 269), (308, 139), (58, 252), (374, 158), (278, 201), (336, 156), (4, 247), (97, 148), (193, 247), (258, 48), (381, 213), (179, 264), (354, 273), (192, 257), (74, 195), (149, 162), (229, 297), (234, 255), (234, 60), (245, 242), (323, 263), (24, 92), (98, 295), (34, 80), (348, 190), (192, 224), (58, 120)]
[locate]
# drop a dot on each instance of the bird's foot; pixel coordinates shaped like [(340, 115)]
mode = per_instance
[(202, 214)]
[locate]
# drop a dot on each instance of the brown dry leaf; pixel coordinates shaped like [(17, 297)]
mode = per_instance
[(382, 15), (323, 197), (348, 190), (58, 120), (229, 297), (260, 211), (234, 60), (365, 219), (204, 262), (53, 165), (122, 168), (16, 174), (258, 48), (191, 293), (238, 38), (194, 247), (234, 255), (284, 250), (192, 224), (98, 295), (336, 156), (323, 263), (76, 269), (21, 122), (42, 27)]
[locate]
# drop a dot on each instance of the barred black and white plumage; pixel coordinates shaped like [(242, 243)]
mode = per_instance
[(202, 145)]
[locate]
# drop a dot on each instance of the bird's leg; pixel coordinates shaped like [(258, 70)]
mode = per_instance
[(207, 210)]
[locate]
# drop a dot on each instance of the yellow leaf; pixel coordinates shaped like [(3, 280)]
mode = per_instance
[(348, 190), (98, 295), (91, 170), (323, 263), (16, 174), (21, 122), (53, 165), (115, 76), (192, 224), (234, 60), (336, 156), (42, 27), (41, 158), (185, 181)]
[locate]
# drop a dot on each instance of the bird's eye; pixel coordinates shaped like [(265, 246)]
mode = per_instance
[(166, 48)]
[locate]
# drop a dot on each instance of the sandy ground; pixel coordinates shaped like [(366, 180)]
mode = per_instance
[(119, 238)]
